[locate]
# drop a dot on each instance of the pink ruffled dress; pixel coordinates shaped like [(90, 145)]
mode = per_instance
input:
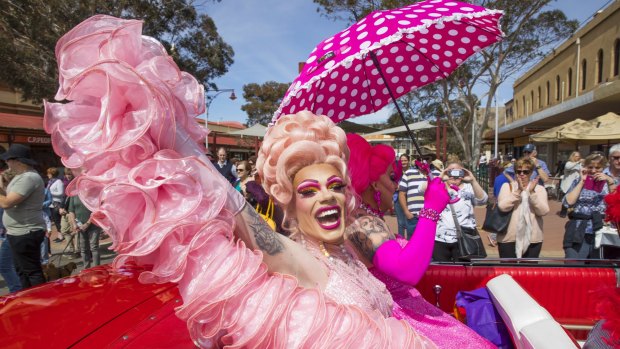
[(130, 129)]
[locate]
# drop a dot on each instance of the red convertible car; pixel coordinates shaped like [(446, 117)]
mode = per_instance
[(105, 308)]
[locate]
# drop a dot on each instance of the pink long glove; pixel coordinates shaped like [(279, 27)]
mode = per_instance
[(408, 264)]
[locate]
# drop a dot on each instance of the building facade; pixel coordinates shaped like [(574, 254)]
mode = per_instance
[(578, 79)]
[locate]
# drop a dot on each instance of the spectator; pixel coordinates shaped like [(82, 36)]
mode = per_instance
[(585, 196), (528, 202), (65, 225), (411, 197), (87, 231), (23, 215), (436, 167), (7, 268), (507, 175), (613, 170), (225, 167), (572, 171), (243, 174), (541, 170), (401, 167), (57, 189), (471, 194), (483, 160)]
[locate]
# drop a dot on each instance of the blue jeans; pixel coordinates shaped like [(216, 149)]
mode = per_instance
[(7, 268), (410, 226), (45, 257)]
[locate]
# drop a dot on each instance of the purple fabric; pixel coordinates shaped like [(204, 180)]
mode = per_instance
[(483, 318)]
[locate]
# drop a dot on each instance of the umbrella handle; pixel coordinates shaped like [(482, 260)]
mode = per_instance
[(375, 61)]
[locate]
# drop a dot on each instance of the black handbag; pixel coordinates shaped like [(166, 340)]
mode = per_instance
[(495, 220), (469, 240)]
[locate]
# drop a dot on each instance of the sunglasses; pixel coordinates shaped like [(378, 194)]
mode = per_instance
[(241, 170), (615, 158), (525, 172)]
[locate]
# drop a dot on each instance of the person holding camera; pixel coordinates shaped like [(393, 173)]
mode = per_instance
[(462, 184), (527, 200), (586, 196)]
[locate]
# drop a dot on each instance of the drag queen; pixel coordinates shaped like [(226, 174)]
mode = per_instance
[(372, 173), (130, 134)]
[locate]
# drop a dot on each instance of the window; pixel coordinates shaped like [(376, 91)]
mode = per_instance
[(584, 66), (570, 81), (557, 87), (516, 111), (524, 106), (599, 67), (616, 56), (548, 93), (539, 98), (531, 101)]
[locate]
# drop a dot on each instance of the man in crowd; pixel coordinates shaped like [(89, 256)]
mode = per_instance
[(22, 202), (613, 170), (541, 170), (225, 167), (410, 197)]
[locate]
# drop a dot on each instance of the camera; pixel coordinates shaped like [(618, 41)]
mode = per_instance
[(456, 173)]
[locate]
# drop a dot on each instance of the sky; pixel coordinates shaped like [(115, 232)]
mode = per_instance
[(270, 38)]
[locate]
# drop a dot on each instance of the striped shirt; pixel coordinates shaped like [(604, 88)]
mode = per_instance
[(410, 184)]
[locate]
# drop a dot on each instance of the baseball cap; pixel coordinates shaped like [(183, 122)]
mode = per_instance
[(529, 148)]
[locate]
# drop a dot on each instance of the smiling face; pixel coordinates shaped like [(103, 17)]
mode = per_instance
[(320, 202), (404, 161)]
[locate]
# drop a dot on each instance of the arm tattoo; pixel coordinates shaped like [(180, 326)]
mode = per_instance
[(367, 234), (266, 239)]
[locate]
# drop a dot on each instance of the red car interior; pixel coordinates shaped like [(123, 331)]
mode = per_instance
[(101, 307)]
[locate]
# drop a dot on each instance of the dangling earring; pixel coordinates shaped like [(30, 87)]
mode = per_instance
[(377, 198)]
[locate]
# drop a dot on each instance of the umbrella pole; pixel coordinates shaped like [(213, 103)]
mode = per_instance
[(402, 116)]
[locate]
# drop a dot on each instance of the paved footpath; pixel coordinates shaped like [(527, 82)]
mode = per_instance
[(552, 245)]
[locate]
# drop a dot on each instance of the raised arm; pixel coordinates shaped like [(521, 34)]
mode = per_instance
[(408, 264)]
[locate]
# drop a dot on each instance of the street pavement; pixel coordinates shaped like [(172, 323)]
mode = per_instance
[(553, 227)]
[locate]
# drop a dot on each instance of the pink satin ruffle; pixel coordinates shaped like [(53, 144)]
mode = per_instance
[(130, 132)]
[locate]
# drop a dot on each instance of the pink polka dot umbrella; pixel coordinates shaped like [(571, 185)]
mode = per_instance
[(388, 54)]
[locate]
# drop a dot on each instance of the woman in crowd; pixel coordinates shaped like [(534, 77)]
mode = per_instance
[(57, 189), (243, 176), (470, 194), (585, 196), (572, 171), (372, 179), (528, 202), (7, 268)]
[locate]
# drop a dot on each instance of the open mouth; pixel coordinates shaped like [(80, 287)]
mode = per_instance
[(328, 217)]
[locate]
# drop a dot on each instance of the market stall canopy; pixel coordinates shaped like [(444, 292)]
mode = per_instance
[(402, 131), (601, 130), (552, 135), (256, 130)]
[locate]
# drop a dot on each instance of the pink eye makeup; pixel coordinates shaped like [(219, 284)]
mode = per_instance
[(308, 187), (335, 183)]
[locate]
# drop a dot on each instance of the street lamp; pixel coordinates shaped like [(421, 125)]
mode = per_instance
[(209, 100)]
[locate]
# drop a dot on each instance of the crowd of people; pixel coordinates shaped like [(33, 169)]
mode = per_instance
[(33, 210)]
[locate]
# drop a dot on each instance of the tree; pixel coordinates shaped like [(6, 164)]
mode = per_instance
[(29, 30), (262, 101), (529, 29)]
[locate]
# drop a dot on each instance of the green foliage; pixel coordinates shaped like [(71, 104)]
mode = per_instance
[(262, 101), (29, 30)]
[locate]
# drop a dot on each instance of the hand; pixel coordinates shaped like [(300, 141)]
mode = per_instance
[(423, 167), (469, 177), (408, 215), (436, 196), (584, 175), (600, 176), (532, 185)]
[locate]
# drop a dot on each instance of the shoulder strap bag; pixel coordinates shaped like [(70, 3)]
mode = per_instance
[(468, 239)]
